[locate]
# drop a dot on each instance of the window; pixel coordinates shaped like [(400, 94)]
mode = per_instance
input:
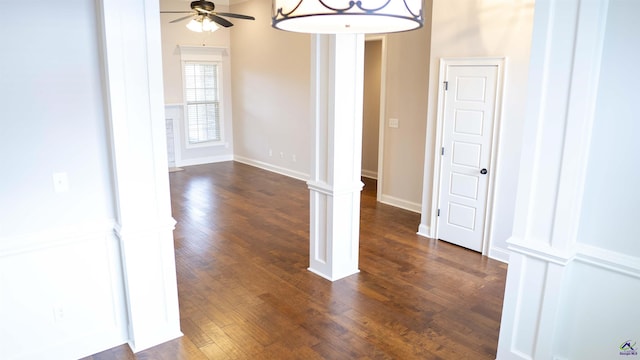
[(202, 102)]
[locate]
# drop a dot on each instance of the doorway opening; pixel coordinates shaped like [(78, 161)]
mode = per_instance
[(373, 111)]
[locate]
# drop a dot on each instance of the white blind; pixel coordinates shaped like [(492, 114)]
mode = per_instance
[(202, 101)]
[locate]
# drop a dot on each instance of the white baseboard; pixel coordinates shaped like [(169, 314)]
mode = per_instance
[(403, 204), (273, 168), (499, 254), (370, 174), (424, 230), (161, 336), (203, 160)]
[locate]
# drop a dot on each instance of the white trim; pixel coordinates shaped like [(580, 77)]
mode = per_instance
[(383, 109), (55, 237), (204, 160), (330, 190), (206, 54), (499, 254), (202, 53), (400, 203), (273, 168), (133, 90), (500, 63), (425, 231), (581, 111), (539, 250), (567, 39), (222, 89), (608, 260)]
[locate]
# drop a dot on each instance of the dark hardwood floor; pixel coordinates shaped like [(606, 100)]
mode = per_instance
[(242, 254)]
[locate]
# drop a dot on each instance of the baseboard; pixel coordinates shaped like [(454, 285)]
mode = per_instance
[(77, 348), (369, 174), (155, 340), (499, 254), (400, 203), (424, 230), (273, 168), (204, 160)]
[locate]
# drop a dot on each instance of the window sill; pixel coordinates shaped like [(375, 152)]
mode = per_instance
[(207, 144)]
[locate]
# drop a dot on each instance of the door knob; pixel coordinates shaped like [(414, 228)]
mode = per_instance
[(483, 171)]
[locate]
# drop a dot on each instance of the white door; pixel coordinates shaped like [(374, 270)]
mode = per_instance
[(468, 117)]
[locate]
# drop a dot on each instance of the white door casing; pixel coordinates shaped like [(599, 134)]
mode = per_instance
[(467, 120)]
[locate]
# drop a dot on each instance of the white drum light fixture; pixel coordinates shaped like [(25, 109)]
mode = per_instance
[(347, 16)]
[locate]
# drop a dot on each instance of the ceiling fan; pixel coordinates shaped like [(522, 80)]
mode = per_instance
[(203, 11)]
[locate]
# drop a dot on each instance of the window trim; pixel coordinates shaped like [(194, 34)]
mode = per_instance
[(204, 54)]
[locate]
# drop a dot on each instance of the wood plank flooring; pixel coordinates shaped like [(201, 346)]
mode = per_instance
[(241, 256)]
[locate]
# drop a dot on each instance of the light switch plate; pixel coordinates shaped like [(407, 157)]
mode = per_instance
[(60, 182)]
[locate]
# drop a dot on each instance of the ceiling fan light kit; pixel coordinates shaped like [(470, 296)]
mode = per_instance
[(202, 24), (347, 16)]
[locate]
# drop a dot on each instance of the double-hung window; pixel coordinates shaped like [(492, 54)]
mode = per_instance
[(202, 102)]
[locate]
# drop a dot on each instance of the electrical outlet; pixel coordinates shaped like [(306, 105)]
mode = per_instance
[(393, 123), (281, 155), (60, 182), (58, 313), (293, 158), (270, 152)]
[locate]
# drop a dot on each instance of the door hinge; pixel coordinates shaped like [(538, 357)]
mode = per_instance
[(446, 85), (442, 152), (438, 212)]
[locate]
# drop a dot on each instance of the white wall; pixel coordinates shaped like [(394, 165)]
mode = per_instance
[(173, 35), (484, 28), (60, 280)]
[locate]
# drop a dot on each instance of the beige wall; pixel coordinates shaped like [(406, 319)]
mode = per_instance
[(407, 78), (485, 28), (271, 93), (371, 107)]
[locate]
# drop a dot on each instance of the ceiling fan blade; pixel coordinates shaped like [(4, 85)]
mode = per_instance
[(237, 16), (219, 20), (182, 18), (175, 12)]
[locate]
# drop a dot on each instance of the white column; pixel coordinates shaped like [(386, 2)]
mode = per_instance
[(335, 186), (564, 71), (133, 76)]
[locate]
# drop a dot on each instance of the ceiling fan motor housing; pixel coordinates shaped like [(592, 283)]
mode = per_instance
[(202, 6)]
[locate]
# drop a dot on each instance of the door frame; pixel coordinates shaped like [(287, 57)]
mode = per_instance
[(500, 62), (383, 103)]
